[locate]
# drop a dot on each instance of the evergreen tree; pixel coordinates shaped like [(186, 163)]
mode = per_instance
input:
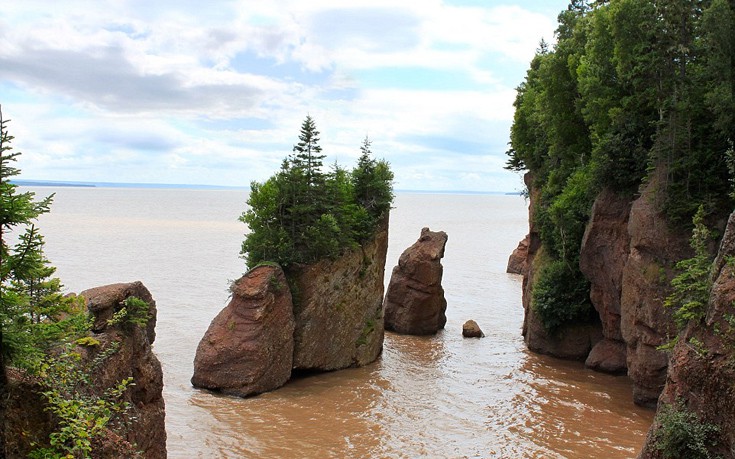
[(301, 215), (31, 303)]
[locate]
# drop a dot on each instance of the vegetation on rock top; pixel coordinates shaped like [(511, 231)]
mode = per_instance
[(302, 214)]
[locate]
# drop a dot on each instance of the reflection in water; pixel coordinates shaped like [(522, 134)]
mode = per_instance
[(436, 397)]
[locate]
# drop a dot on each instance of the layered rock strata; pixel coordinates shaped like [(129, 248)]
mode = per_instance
[(248, 347), (414, 303)]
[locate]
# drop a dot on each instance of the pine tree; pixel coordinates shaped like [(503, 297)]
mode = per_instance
[(307, 153), (30, 298)]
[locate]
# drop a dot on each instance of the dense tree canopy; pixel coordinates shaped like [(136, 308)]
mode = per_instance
[(631, 87), (303, 214)]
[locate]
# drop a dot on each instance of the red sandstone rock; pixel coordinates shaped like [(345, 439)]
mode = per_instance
[(572, 342), (27, 422), (248, 347), (104, 301), (135, 358), (414, 303), (518, 260), (645, 322), (602, 258), (608, 356), (701, 370), (470, 329)]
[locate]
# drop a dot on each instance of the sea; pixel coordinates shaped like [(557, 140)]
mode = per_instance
[(441, 396)]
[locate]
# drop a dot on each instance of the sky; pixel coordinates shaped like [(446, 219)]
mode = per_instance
[(214, 93)]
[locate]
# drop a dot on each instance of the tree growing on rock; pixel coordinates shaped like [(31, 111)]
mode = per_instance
[(302, 214)]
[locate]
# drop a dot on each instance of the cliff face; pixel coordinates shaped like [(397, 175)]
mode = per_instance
[(646, 323), (602, 259), (338, 308), (572, 342), (702, 366), (27, 422), (628, 254)]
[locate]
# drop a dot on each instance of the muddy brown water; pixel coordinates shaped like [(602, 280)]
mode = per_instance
[(434, 397)]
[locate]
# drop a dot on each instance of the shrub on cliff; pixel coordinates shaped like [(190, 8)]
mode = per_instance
[(302, 214), (682, 435)]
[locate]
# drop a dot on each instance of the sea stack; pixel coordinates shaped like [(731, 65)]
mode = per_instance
[(248, 348), (414, 303)]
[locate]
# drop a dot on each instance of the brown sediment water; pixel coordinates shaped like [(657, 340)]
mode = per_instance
[(441, 396)]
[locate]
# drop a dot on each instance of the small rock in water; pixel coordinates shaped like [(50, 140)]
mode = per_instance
[(470, 329)]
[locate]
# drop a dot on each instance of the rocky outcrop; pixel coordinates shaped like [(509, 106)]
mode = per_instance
[(701, 371), (248, 347), (134, 358), (338, 308), (572, 342), (117, 352), (470, 329), (518, 260), (414, 303), (603, 256), (645, 322)]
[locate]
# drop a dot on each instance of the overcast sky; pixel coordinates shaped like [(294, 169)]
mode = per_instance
[(192, 92)]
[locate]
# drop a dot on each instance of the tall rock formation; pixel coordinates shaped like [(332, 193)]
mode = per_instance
[(414, 302), (602, 259), (248, 347), (338, 307), (26, 420), (572, 342), (645, 322), (318, 317), (701, 375)]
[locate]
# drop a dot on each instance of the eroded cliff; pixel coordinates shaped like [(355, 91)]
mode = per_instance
[(700, 383), (117, 351)]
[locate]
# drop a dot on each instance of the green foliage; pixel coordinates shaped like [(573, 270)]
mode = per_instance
[(560, 296), (632, 90), (302, 214), (133, 311), (682, 435), (692, 285), (38, 325), (81, 416)]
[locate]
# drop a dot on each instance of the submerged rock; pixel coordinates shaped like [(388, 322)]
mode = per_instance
[(248, 347), (414, 303), (470, 329)]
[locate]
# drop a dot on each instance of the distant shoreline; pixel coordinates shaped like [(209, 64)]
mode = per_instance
[(61, 183)]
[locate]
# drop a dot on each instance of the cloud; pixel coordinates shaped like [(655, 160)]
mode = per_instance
[(177, 92)]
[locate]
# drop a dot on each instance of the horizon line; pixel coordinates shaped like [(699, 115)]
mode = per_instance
[(84, 184)]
